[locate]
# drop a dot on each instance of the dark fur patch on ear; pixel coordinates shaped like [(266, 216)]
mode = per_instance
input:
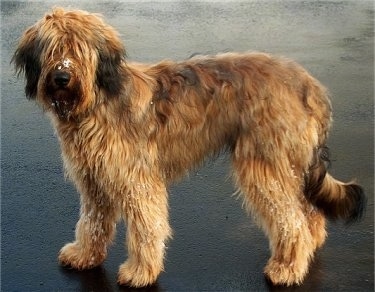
[(110, 74), (26, 60)]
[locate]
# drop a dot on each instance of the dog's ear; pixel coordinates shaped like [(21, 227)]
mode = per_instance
[(111, 73), (26, 60)]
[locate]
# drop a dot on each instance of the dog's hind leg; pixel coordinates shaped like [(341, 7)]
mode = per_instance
[(146, 217), (317, 224), (274, 197), (94, 231)]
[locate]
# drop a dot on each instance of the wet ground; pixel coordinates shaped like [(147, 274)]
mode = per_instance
[(216, 247)]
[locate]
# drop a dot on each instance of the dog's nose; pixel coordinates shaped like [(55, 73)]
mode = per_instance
[(61, 78)]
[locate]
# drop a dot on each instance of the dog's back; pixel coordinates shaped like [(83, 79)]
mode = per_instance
[(213, 103)]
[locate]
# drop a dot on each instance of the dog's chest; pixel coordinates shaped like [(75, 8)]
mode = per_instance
[(101, 152)]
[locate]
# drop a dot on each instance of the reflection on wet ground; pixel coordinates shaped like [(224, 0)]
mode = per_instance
[(215, 246)]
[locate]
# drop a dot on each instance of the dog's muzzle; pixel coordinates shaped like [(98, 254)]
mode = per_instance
[(61, 92)]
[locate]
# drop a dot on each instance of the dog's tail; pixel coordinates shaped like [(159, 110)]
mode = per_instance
[(336, 199)]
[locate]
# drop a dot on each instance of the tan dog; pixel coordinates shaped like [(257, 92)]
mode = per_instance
[(128, 130)]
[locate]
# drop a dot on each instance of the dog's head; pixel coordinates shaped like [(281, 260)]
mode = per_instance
[(72, 60)]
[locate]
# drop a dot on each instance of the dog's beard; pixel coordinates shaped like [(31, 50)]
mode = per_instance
[(63, 101), (61, 107)]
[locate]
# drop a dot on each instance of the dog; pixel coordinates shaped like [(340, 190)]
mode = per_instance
[(128, 130)]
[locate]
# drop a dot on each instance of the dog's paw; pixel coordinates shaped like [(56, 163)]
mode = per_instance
[(284, 274), (134, 275), (74, 256)]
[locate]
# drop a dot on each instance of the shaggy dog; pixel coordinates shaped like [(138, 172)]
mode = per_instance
[(128, 130)]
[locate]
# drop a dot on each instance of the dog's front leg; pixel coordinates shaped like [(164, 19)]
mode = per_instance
[(146, 215), (94, 231)]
